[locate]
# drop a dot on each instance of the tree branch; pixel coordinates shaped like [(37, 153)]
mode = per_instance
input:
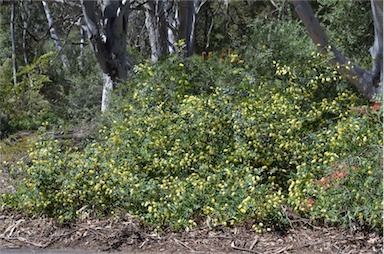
[(362, 79)]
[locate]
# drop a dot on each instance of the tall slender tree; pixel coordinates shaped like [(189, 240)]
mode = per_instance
[(157, 27), (13, 37), (187, 19), (54, 35), (377, 48)]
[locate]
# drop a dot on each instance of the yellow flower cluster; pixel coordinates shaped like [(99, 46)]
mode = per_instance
[(182, 149)]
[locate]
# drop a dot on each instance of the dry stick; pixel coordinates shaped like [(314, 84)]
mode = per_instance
[(12, 228), (286, 216), (217, 237), (55, 239), (254, 243), (23, 240), (243, 249), (183, 244), (143, 243)]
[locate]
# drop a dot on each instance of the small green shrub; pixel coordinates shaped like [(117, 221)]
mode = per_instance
[(23, 105), (75, 94), (285, 40)]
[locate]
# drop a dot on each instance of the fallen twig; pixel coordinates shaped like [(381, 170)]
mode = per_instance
[(12, 228), (254, 243), (233, 246), (309, 244), (25, 241), (183, 244)]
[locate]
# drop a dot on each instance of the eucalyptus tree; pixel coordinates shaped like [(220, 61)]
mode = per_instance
[(158, 23), (106, 24), (166, 21), (366, 81), (170, 21), (377, 48), (187, 18)]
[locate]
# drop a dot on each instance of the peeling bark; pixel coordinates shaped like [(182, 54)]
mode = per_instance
[(107, 33), (158, 23), (363, 80), (25, 22), (82, 42)]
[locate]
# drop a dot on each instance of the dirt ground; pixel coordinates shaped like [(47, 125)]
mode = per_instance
[(126, 236)]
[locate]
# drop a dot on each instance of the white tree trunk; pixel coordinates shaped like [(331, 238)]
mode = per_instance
[(12, 24), (150, 23), (157, 24), (363, 80), (82, 42), (55, 36), (25, 22), (107, 90), (25, 19)]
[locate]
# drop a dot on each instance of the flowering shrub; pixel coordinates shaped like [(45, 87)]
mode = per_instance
[(348, 189), (203, 141)]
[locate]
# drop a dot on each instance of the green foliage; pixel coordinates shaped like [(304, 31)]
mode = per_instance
[(221, 141), (189, 146), (23, 105), (5, 36), (175, 77), (353, 36), (220, 26), (267, 41), (74, 94), (348, 190)]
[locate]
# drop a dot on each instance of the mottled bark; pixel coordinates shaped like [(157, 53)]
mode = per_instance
[(25, 19), (150, 23), (107, 90), (25, 22), (158, 23), (107, 33), (363, 80)]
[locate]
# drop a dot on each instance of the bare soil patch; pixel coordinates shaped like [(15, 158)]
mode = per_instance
[(127, 236)]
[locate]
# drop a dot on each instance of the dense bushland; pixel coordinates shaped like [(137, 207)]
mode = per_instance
[(221, 143)]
